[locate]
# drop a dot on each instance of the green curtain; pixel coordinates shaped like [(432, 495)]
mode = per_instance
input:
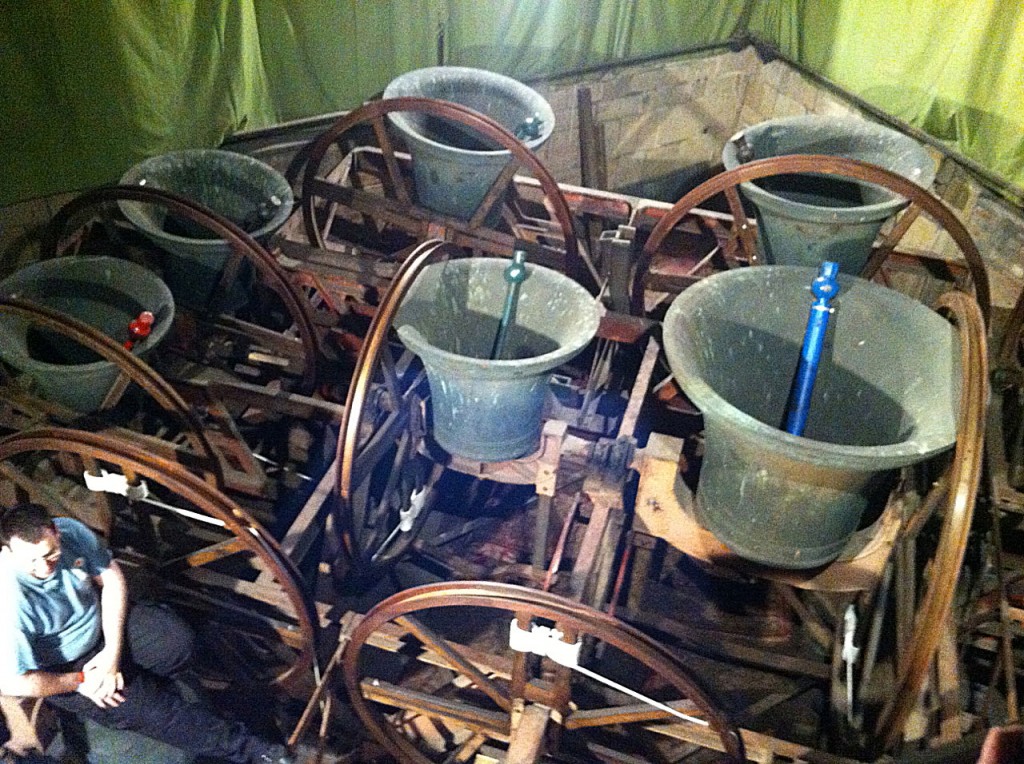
[(529, 39), (955, 70), (91, 87)]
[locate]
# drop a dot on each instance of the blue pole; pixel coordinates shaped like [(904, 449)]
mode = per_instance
[(824, 288)]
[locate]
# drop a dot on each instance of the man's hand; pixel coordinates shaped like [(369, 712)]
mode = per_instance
[(103, 681)]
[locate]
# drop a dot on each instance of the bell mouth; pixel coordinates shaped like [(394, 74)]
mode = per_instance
[(250, 193), (879, 402), (450, 317), (502, 98), (821, 198)]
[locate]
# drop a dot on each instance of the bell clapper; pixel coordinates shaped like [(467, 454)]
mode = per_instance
[(515, 275), (824, 288)]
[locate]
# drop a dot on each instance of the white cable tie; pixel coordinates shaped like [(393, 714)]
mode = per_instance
[(850, 652), (547, 643), (406, 517), (112, 482)]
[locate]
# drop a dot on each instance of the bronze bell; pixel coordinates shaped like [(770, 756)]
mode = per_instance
[(886, 396), (483, 409)]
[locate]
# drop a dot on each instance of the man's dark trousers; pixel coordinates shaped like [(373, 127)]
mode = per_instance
[(157, 648)]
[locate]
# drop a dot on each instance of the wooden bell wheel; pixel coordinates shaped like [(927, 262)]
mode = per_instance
[(366, 197), (196, 546), (291, 350), (431, 673), (739, 242), (915, 600), (385, 479)]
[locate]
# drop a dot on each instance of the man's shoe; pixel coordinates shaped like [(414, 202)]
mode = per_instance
[(276, 754)]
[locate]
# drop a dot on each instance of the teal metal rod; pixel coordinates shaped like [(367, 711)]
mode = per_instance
[(515, 275)]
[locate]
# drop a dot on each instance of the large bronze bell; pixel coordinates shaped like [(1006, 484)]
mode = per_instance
[(886, 396), (483, 409), (808, 219), (452, 165), (105, 292)]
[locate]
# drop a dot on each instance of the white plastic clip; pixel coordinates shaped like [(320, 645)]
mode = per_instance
[(850, 652), (545, 642), (111, 482), (406, 517)]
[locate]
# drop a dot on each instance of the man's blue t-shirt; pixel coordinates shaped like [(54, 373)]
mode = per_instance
[(48, 622)]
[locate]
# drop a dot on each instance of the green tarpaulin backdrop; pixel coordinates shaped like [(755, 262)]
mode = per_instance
[(91, 86)]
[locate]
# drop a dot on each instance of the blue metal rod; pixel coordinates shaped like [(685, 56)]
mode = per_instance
[(824, 288), (515, 274)]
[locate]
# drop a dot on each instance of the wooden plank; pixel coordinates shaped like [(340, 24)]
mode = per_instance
[(587, 554), (495, 724), (593, 164), (307, 526), (527, 741), (638, 394), (948, 685), (629, 714), (439, 644)]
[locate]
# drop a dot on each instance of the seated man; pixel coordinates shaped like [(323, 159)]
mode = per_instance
[(66, 634)]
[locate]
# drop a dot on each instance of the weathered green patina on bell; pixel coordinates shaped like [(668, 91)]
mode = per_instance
[(808, 219), (886, 396), (105, 292), (484, 409), (452, 165), (246, 191)]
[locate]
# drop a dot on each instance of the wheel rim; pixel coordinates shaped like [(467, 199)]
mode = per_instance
[(471, 234), (243, 246), (359, 456)]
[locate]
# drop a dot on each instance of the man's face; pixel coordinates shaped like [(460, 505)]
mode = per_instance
[(39, 559)]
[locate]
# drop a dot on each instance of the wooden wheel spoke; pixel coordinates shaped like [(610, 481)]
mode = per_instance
[(332, 213), (494, 194), (385, 515), (457, 662), (395, 179), (741, 229), (390, 374), (628, 714), (890, 241), (381, 440), (495, 724), (464, 628)]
